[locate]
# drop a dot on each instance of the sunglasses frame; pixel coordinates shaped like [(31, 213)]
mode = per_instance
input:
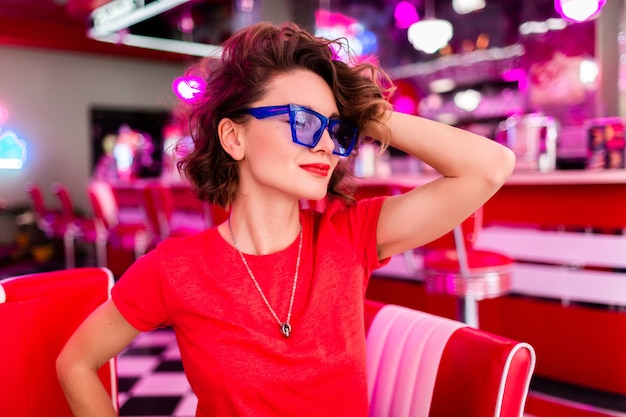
[(327, 124)]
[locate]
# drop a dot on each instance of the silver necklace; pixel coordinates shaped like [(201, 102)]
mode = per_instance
[(285, 327)]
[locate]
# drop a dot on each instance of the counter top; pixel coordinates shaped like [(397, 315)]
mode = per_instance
[(557, 177)]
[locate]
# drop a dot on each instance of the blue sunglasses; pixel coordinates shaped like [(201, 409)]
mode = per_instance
[(307, 126)]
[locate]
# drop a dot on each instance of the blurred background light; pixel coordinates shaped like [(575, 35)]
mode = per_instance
[(405, 15), (188, 88), (578, 10), (12, 151), (430, 35), (467, 6)]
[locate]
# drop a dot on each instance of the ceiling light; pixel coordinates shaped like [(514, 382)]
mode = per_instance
[(165, 45), (578, 10), (467, 6), (430, 34), (122, 14)]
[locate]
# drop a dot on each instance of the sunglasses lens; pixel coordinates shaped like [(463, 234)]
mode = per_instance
[(344, 135), (306, 127), (307, 130)]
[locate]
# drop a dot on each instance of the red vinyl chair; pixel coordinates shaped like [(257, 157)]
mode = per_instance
[(51, 222), (134, 237), (421, 365), (158, 203), (39, 312), (79, 227), (186, 204)]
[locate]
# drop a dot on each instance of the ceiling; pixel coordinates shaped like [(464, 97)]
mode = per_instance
[(61, 24)]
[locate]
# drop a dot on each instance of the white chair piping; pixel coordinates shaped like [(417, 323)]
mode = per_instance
[(505, 373)]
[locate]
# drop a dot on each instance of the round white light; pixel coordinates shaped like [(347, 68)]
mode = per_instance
[(467, 6), (430, 35), (579, 10), (467, 100)]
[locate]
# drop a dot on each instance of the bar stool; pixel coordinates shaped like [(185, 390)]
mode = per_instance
[(461, 271)]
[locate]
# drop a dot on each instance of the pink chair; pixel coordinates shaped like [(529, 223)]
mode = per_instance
[(421, 365), (39, 312)]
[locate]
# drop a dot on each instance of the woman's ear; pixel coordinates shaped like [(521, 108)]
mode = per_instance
[(228, 132)]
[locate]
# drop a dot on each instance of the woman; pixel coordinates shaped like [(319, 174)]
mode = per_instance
[(268, 306)]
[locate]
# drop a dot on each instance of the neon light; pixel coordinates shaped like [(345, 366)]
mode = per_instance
[(188, 88), (405, 15), (331, 25), (12, 151)]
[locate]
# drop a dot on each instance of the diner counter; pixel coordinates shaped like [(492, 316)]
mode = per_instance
[(558, 199), (557, 177)]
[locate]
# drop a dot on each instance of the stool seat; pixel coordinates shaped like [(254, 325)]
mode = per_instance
[(489, 274)]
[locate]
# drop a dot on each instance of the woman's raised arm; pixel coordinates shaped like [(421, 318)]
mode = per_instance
[(473, 168)]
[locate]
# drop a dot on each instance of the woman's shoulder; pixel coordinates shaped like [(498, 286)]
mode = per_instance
[(189, 245), (339, 216)]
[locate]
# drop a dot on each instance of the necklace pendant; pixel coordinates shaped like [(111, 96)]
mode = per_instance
[(285, 329)]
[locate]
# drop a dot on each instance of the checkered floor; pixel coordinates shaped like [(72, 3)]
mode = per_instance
[(151, 379)]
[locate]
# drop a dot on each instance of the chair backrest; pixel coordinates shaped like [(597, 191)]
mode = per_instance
[(421, 365), (103, 203), (159, 207), (36, 198), (39, 312), (65, 201), (186, 201)]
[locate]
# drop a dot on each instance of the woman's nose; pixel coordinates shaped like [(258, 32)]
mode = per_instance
[(325, 144)]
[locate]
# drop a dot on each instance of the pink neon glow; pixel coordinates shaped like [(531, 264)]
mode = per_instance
[(327, 19), (405, 15), (516, 74), (188, 88), (4, 114), (405, 104), (578, 10)]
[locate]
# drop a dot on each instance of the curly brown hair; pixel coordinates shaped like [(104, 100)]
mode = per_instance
[(249, 61)]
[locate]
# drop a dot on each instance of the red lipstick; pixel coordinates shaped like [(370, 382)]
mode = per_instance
[(317, 169)]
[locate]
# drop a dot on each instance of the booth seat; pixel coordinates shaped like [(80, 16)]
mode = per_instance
[(38, 314), (422, 365)]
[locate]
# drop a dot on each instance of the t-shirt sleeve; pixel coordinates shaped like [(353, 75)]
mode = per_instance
[(138, 294), (359, 225)]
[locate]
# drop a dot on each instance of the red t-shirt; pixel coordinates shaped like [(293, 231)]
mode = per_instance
[(235, 358)]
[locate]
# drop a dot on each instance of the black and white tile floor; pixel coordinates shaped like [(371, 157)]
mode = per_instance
[(151, 379)]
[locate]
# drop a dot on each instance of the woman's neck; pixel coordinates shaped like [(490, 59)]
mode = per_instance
[(262, 230)]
